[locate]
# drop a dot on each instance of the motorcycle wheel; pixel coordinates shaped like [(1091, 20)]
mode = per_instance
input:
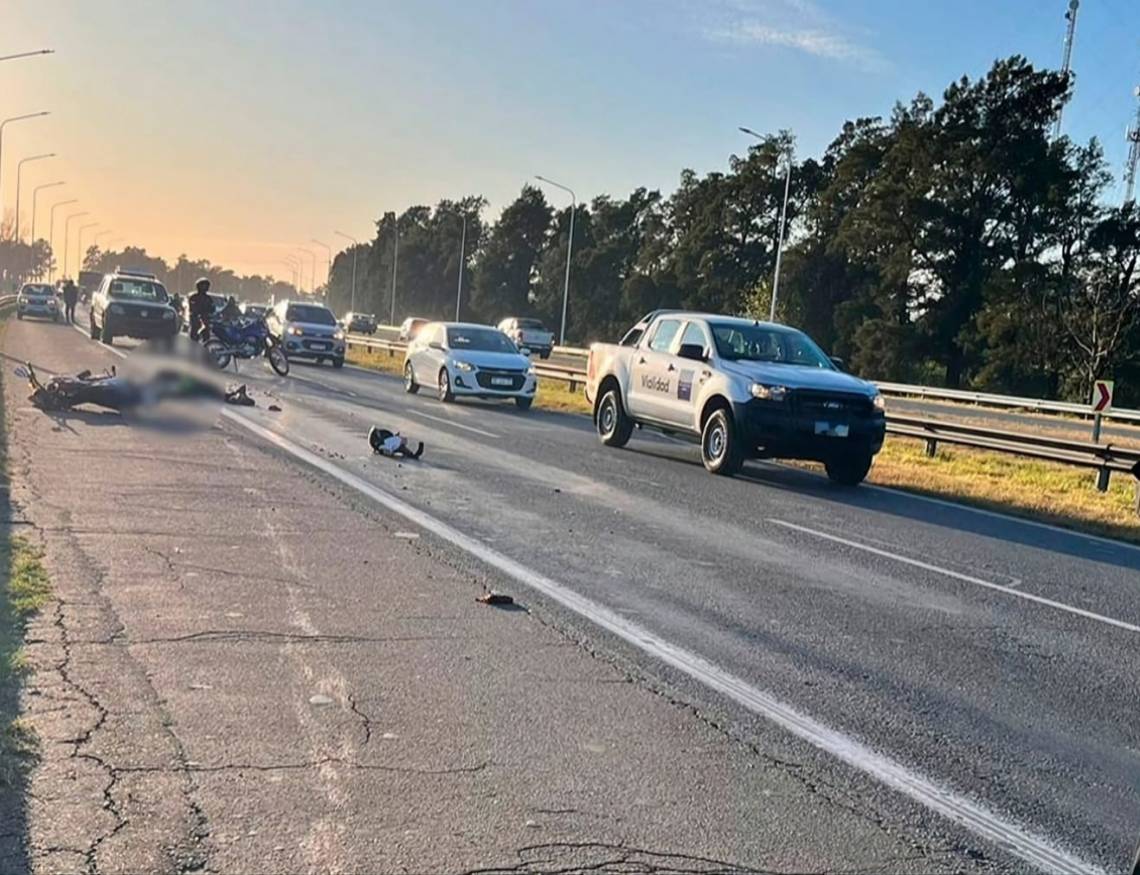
[(278, 360), (217, 352)]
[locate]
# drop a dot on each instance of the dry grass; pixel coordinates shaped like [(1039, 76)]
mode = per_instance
[(375, 360), (1058, 494)]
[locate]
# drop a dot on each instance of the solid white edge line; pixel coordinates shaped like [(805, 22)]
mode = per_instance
[(965, 812), (957, 575)]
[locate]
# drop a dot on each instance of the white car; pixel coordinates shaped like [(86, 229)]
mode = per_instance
[(475, 360)]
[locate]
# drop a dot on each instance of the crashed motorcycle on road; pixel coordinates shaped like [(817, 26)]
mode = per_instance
[(114, 392)]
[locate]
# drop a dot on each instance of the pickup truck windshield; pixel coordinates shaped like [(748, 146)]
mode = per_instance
[(138, 290), (765, 343), (484, 339)]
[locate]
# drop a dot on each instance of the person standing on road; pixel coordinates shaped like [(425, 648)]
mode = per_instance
[(70, 296), (201, 309)]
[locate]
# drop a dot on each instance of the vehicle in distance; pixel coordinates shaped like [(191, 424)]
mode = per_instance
[(460, 359), (529, 334), (307, 331), (37, 299), (744, 389), (411, 326), (360, 323), (129, 304), (259, 311)]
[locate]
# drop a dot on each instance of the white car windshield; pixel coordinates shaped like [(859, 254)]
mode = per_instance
[(138, 290), (482, 339)]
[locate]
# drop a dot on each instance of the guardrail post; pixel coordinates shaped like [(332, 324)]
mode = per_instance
[(1102, 476), (1096, 429), (931, 448)]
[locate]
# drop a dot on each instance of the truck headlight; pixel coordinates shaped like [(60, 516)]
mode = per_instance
[(768, 393), (51, 303), (530, 371), (463, 366), (878, 402)]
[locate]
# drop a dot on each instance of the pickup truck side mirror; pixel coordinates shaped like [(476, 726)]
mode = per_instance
[(838, 362), (693, 351), (435, 344)]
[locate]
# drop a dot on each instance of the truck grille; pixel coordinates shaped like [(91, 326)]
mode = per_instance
[(833, 405)]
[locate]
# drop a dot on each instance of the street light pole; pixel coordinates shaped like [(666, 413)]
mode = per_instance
[(35, 194), (355, 246), (51, 234), (783, 220), (312, 269), (569, 252), (462, 254), (27, 54), (19, 172), (67, 234), (298, 273), (79, 245), (328, 264), (15, 118), (292, 269)]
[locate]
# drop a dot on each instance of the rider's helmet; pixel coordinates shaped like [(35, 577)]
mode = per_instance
[(203, 285)]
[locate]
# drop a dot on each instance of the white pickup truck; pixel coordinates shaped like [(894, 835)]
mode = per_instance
[(529, 334), (743, 389)]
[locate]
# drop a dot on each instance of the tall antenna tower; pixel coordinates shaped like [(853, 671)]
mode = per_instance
[(1067, 57), (1133, 136)]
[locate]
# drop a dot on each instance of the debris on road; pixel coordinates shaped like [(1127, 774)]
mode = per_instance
[(392, 444), (495, 598), (320, 699), (240, 397), (273, 408)]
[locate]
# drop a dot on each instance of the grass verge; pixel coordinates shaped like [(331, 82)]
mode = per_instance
[(1037, 490)]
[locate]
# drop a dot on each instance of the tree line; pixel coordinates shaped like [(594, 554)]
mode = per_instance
[(951, 242)]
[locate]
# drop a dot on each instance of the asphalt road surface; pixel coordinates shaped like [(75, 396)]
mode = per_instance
[(933, 659)]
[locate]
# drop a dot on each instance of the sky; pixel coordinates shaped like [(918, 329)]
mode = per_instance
[(239, 131)]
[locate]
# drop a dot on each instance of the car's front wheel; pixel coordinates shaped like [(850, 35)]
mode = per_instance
[(94, 330), (614, 426), (105, 335), (721, 451), (850, 468), (338, 362), (410, 384), (445, 393)]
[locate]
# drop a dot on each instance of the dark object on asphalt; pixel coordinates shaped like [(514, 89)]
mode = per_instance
[(392, 443), (112, 391), (240, 397), (495, 598), (273, 408), (63, 393)]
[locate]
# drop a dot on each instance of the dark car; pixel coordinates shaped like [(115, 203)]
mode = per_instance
[(131, 305), (360, 323)]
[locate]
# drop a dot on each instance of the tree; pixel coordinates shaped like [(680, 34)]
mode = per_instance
[(507, 271)]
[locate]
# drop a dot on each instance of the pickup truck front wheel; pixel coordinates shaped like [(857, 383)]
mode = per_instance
[(850, 468), (721, 450), (614, 426)]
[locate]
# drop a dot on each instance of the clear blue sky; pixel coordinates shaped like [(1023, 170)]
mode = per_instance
[(232, 130)]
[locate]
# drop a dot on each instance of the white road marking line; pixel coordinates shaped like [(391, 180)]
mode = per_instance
[(451, 422), (957, 575), (980, 820)]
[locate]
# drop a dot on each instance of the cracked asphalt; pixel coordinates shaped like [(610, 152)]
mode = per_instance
[(253, 668), (246, 668)]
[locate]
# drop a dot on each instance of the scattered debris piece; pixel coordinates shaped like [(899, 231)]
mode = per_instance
[(273, 408), (389, 736), (320, 699), (240, 397), (201, 687), (495, 598), (407, 536), (392, 444), (533, 824)]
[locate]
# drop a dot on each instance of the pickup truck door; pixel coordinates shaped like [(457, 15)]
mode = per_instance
[(686, 376), (652, 373)]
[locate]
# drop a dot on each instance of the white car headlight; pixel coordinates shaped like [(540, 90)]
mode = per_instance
[(115, 308), (768, 393), (51, 303), (463, 366), (530, 371), (878, 402)]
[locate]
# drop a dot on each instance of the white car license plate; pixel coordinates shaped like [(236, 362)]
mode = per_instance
[(502, 381), (832, 429)]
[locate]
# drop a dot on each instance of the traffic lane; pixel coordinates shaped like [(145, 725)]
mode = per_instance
[(431, 697), (924, 527), (862, 643), (1017, 421)]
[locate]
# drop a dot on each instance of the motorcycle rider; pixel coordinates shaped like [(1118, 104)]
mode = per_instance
[(201, 311)]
